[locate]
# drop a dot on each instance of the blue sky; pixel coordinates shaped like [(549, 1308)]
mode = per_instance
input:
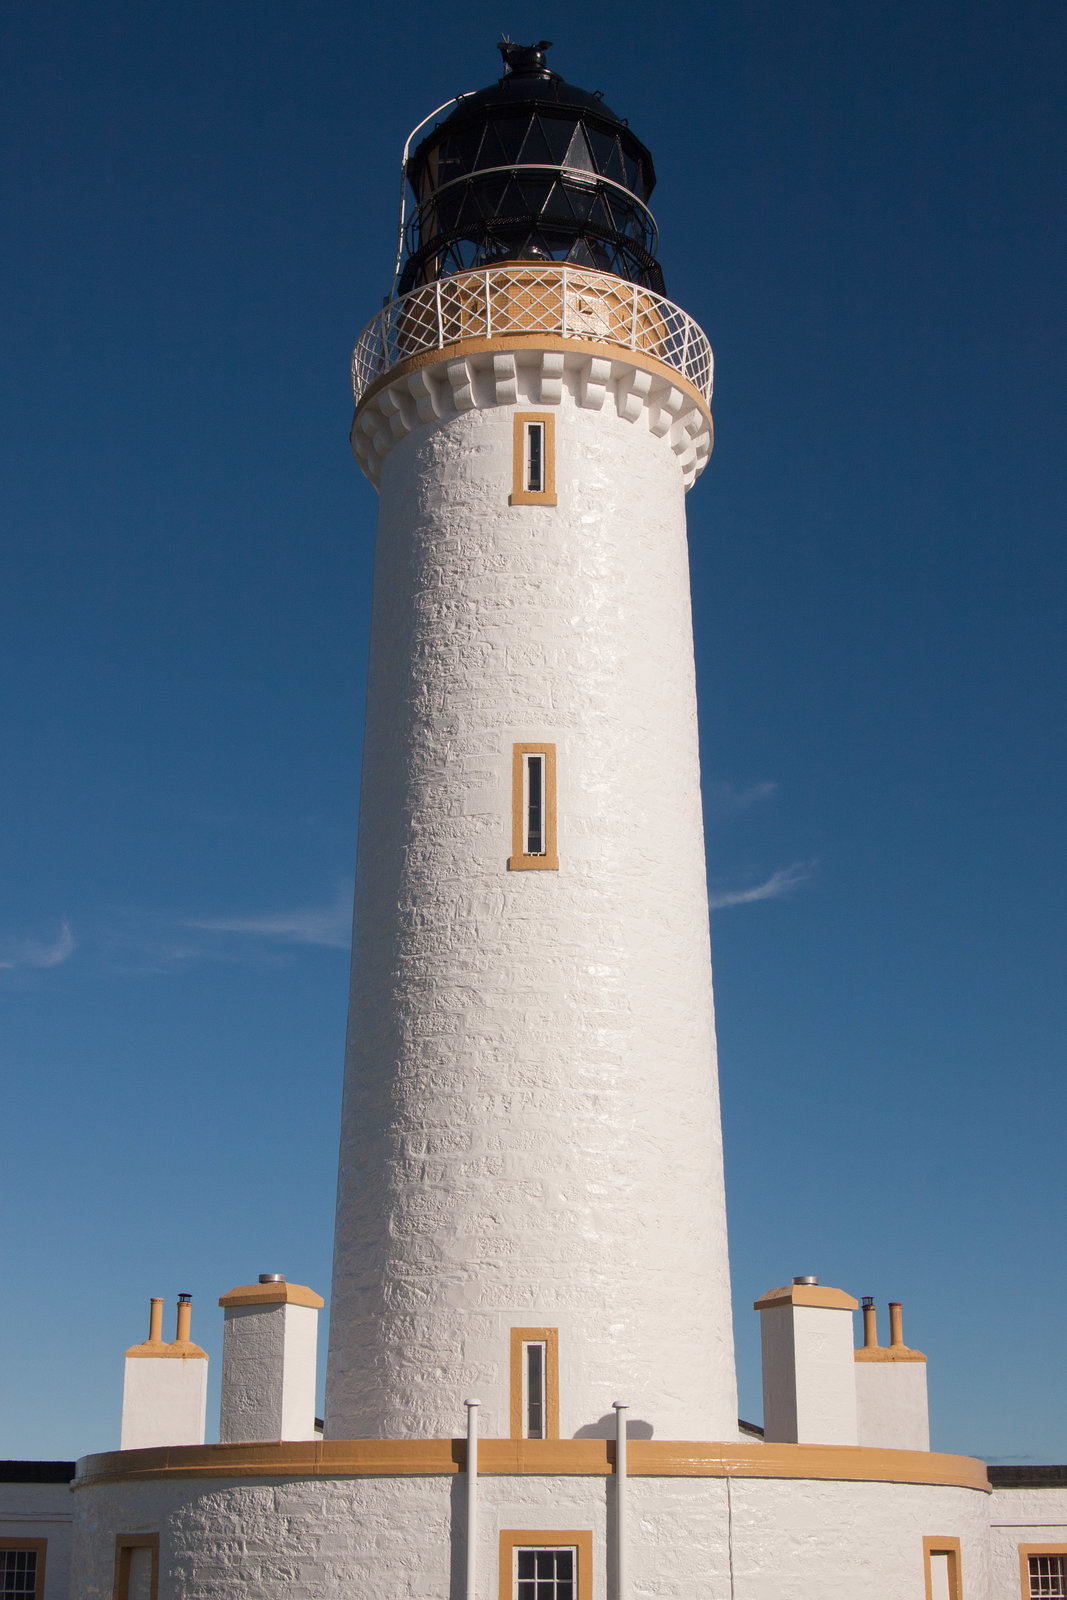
[(863, 205)]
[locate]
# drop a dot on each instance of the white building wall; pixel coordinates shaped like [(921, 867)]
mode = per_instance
[(402, 1538), (891, 1405), (164, 1401), (42, 1511), (531, 1128), (1018, 1517), (851, 1541)]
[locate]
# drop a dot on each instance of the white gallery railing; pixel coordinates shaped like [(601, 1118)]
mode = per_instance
[(529, 298)]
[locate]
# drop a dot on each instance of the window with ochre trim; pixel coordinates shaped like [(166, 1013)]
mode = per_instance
[(533, 478), (22, 1568), (136, 1566), (534, 1383), (533, 808), (1043, 1571), (941, 1557), (546, 1564)]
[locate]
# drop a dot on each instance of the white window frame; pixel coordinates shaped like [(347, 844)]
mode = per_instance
[(539, 1550), (532, 430), (527, 1346), (542, 767), (1036, 1553)]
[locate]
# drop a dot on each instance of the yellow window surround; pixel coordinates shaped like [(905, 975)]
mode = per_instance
[(524, 805), (520, 1338), (534, 465), (580, 1540)]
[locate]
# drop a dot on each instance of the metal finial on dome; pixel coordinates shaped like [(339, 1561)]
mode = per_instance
[(525, 60)]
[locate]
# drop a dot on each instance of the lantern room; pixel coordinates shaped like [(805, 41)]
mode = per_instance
[(531, 169)]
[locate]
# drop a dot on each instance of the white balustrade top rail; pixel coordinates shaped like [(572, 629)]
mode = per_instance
[(530, 298)]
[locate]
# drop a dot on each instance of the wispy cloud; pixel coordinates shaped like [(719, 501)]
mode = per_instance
[(779, 883), (138, 941), (18, 954), (329, 925), (723, 800)]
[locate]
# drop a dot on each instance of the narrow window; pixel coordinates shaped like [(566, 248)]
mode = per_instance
[(942, 1561), (22, 1568), (533, 801), (538, 1564), (535, 1383), (1044, 1571), (534, 471), (534, 820), (535, 457), (534, 1396)]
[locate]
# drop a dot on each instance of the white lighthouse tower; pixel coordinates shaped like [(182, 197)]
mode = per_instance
[(531, 1237), (531, 1198)]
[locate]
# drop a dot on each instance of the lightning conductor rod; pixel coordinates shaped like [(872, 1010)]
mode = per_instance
[(622, 1575), (456, 98), (472, 1498)]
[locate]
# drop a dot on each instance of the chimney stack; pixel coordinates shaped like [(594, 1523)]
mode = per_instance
[(268, 1361), (164, 1394), (809, 1389), (891, 1403)]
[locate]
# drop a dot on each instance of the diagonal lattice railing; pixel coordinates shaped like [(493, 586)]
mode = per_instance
[(527, 298)]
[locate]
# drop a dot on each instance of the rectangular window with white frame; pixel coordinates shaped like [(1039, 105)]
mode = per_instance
[(533, 802), (533, 480), (1043, 1571), (534, 1374), (535, 458), (550, 1564), (546, 1574), (22, 1568), (533, 812)]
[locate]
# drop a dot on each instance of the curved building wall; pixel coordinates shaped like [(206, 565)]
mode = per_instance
[(531, 1126), (402, 1538)]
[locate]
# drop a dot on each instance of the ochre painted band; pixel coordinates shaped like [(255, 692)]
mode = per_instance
[(807, 1294), (647, 1458), (269, 1294), (887, 1352), (535, 341), (152, 1350)]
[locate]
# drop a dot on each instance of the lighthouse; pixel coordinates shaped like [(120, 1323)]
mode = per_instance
[(530, 1204), (530, 1236)]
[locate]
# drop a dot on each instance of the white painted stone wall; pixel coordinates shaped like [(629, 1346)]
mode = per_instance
[(402, 1538), (531, 1127), (891, 1405), (1017, 1517), (809, 1392), (268, 1373), (42, 1511), (164, 1401)]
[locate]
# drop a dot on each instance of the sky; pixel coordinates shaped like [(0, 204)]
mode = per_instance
[(863, 205)]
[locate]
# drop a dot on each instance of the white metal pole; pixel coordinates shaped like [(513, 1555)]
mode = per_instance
[(404, 179), (622, 1573), (472, 1498)]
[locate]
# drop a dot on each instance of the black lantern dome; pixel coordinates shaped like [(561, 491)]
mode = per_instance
[(531, 169)]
